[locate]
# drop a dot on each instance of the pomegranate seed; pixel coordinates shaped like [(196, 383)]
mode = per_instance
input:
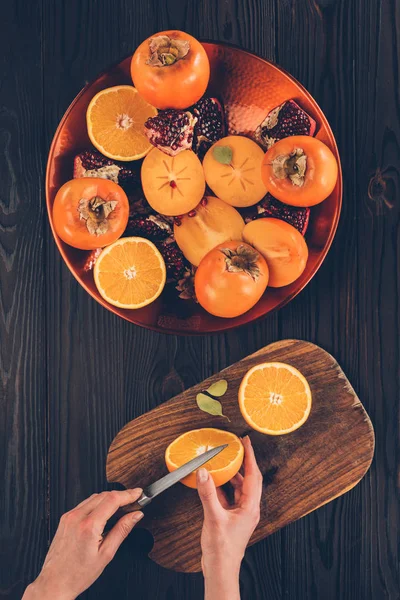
[(204, 201), (172, 184), (192, 213)]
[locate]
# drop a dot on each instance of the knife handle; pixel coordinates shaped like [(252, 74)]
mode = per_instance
[(138, 505), (128, 508)]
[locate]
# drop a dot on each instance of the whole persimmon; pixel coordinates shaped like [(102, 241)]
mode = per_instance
[(231, 279), (90, 212), (300, 170), (170, 69), (282, 246)]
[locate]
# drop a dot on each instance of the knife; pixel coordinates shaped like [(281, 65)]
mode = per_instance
[(156, 488)]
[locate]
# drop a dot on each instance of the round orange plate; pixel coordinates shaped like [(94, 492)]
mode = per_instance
[(249, 88)]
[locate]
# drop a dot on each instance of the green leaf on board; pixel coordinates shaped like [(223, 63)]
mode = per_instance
[(209, 405), (218, 388), (223, 154)]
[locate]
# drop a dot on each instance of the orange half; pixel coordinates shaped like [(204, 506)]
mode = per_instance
[(274, 398), (130, 273), (115, 120), (222, 467)]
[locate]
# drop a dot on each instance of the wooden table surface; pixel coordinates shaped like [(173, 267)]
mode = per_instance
[(72, 374)]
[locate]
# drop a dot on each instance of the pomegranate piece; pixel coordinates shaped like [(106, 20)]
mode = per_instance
[(283, 121), (271, 207), (91, 163), (171, 131), (210, 126), (152, 227), (175, 262), (91, 259)]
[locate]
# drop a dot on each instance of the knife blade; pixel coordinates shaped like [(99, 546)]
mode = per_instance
[(156, 488)]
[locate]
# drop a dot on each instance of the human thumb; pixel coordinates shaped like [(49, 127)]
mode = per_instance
[(208, 493)]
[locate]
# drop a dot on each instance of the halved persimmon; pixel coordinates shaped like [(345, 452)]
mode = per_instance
[(300, 170), (173, 185), (90, 212), (282, 246)]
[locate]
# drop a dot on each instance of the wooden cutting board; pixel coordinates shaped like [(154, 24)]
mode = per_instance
[(303, 470)]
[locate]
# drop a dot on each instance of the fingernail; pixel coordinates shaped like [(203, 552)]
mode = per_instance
[(202, 475), (135, 491), (136, 516)]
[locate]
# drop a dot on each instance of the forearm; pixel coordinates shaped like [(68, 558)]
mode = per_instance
[(40, 589), (222, 582)]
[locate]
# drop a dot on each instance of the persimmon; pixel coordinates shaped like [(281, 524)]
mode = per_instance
[(209, 224), (300, 170), (231, 279), (170, 69), (90, 212), (173, 185), (282, 246), (232, 168)]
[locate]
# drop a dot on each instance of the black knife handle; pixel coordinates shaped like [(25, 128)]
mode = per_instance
[(128, 508)]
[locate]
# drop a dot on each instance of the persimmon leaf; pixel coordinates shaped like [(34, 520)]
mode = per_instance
[(209, 405), (223, 154), (218, 388)]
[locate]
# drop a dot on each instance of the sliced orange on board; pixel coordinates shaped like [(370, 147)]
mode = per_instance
[(115, 121), (193, 443), (130, 273), (274, 398)]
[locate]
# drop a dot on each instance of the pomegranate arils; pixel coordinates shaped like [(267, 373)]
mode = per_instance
[(271, 207), (153, 227), (283, 121), (210, 126), (91, 260), (175, 262), (171, 130), (91, 163)]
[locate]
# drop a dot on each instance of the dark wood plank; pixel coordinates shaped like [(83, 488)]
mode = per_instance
[(351, 306), (23, 495), (321, 461)]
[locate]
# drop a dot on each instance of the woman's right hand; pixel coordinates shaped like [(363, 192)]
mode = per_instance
[(227, 528)]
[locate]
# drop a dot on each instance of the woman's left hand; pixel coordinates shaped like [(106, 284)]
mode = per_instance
[(79, 552)]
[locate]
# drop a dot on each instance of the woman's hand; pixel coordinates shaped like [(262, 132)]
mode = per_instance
[(227, 528), (79, 552)]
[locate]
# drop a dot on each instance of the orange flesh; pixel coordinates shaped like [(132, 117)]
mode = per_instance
[(115, 120), (193, 443), (131, 274), (275, 399)]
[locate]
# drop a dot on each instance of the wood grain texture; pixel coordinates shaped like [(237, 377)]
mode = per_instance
[(102, 372), (302, 471), (23, 457)]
